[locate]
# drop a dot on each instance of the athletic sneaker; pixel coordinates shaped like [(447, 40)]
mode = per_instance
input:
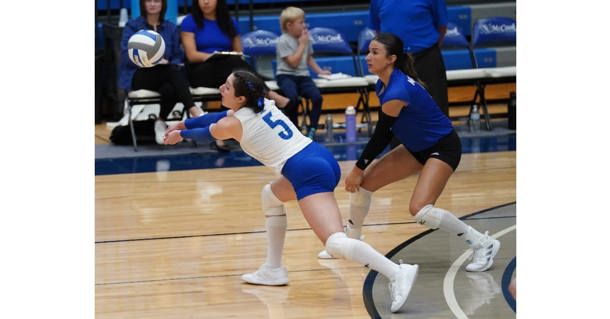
[(267, 276), (160, 128), (350, 232), (484, 253), (401, 286)]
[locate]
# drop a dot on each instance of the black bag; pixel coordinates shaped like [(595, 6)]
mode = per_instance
[(144, 131)]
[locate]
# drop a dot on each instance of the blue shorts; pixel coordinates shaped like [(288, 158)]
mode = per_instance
[(312, 170)]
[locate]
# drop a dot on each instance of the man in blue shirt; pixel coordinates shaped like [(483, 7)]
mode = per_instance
[(421, 25)]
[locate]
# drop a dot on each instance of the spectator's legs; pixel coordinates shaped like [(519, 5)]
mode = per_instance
[(181, 88), (309, 90), (431, 69), (289, 87), (168, 99), (156, 79)]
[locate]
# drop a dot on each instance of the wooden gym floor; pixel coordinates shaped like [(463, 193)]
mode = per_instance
[(173, 244)]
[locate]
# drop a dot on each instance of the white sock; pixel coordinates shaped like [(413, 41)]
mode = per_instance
[(435, 217), (275, 224), (339, 245), (276, 233), (360, 204), (472, 236)]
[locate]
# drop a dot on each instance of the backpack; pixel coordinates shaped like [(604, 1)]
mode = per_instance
[(144, 131)]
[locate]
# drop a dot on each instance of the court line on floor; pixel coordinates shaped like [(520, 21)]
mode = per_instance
[(258, 232), (449, 280), (506, 279)]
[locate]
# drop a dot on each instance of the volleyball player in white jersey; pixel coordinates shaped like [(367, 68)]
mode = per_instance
[(309, 174)]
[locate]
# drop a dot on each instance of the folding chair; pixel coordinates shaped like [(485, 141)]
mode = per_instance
[(364, 39), (489, 32), (329, 42), (143, 98), (455, 40)]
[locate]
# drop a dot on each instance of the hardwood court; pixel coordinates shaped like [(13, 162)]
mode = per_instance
[(174, 244)]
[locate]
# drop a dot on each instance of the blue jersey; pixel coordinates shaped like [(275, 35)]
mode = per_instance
[(420, 124), (416, 22), (209, 38)]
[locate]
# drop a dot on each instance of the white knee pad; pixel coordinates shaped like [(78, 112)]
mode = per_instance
[(272, 206), (339, 246), (429, 216), (361, 198)]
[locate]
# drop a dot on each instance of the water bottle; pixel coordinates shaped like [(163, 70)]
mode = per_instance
[(475, 119), (123, 18), (350, 124), (329, 127)]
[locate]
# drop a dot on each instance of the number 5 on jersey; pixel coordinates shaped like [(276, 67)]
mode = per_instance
[(286, 132)]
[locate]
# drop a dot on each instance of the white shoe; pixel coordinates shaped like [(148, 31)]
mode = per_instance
[(267, 276), (160, 128), (484, 253), (325, 255), (401, 286), (350, 232)]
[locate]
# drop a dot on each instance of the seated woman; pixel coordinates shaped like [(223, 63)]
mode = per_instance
[(166, 78), (209, 28)]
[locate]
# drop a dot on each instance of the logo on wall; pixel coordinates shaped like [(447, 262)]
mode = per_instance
[(494, 28), (254, 42)]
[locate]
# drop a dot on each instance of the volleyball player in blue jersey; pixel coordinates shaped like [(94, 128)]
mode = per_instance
[(309, 174), (430, 146)]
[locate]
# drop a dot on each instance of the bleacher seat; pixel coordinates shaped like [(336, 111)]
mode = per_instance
[(136, 102)]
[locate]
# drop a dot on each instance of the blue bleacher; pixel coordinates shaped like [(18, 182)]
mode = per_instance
[(347, 23), (454, 60), (116, 4), (350, 23)]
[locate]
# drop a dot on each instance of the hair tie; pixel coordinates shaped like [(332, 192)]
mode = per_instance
[(260, 102), (250, 85)]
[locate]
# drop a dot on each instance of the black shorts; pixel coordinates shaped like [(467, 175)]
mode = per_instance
[(448, 149)]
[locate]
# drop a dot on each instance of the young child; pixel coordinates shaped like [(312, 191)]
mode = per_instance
[(294, 54)]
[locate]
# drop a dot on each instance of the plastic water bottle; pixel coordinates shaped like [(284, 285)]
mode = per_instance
[(329, 127), (475, 119), (123, 18), (350, 124)]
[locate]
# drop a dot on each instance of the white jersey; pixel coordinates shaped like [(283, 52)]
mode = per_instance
[(269, 136)]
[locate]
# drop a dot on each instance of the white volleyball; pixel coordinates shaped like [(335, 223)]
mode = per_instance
[(146, 48)]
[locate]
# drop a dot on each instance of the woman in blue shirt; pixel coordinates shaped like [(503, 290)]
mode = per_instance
[(167, 78), (429, 146), (209, 28)]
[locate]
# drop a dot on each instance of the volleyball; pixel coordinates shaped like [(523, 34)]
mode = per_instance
[(146, 48)]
